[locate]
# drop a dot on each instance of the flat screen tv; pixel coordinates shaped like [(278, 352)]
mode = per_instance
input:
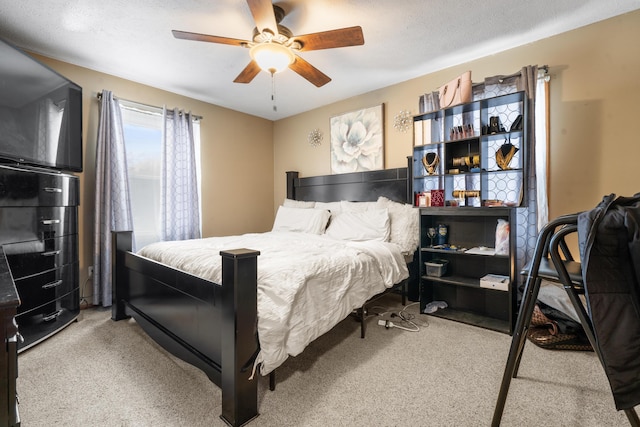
[(40, 114)]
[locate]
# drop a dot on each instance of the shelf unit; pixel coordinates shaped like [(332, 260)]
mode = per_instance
[(468, 169), (466, 158), (460, 286)]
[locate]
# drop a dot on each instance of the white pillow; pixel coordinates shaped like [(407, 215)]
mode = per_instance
[(333, 207), (290, 203), (358, 206), (360, 226), (405, 221), (302, 220)]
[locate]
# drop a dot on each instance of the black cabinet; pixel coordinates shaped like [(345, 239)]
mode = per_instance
[(453, 272), (9, 303), (38, 233), (469, 175)]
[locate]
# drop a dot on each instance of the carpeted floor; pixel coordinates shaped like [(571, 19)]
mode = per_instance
[(97, 372)]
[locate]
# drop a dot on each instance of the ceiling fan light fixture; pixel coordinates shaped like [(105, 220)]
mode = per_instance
[(272, 57)]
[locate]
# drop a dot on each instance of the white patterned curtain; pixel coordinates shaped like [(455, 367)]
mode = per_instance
[(180, 205), (112, 208), (533, 214)]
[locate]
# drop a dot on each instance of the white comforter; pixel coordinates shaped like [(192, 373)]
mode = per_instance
[(306, 283)]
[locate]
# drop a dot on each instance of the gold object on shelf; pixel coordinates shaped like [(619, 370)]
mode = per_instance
[(430, 161), (505, 154), (469, 161), (459, 194)]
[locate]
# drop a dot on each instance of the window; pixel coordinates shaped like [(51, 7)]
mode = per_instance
[(143, 140)]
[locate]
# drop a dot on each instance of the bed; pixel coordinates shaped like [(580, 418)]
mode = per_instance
[(178, 308)]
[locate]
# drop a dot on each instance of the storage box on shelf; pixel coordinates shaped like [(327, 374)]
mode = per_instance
[(469, 172)]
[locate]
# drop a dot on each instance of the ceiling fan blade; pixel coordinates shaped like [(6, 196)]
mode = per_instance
[(263, 15), (309, 72), (185, 35), (351, 36), (249, 72)]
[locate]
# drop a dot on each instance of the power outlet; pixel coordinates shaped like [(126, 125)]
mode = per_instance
[(90, 271)]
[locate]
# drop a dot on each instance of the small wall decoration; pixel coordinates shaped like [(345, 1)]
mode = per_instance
[(403, 121), (315, 137), (357, 140)]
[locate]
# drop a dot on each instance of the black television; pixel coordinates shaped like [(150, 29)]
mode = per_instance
[(40, 114)]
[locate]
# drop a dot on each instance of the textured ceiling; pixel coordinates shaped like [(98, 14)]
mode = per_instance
[(403, 39)]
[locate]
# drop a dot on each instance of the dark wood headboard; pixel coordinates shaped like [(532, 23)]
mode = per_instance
[(395, 184)]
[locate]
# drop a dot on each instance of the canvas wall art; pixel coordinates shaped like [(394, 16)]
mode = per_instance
[(357, 140)]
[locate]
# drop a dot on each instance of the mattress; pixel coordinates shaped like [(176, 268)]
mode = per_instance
[(307, 283)]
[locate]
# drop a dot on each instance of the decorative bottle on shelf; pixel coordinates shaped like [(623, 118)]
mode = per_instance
[(443, 234)]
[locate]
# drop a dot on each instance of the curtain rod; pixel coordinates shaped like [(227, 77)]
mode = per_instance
[(99, 97)]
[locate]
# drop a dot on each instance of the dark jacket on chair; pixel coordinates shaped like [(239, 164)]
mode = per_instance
[(609, 241)]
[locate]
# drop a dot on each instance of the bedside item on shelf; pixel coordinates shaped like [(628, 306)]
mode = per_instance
[(494, 125), (430, 161), (461, 194), (481, 250), (502, 237), (467, 131), (505, 154), (436, 267), (517, 124), (423, 200), (468, 161), (437, 197), (422, 132), (460, 132), (434, 306), (429, 102), (495, 281), (443, 234), (431, 234), (457, 91)]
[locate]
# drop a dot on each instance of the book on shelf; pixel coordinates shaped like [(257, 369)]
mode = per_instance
[(495, 281)]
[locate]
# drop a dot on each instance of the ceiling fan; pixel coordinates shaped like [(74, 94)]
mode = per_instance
[(274, 47)]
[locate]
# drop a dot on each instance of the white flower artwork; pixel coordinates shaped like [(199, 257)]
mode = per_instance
[(357, 140)]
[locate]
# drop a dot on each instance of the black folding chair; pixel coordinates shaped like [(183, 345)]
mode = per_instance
[(552, 261)]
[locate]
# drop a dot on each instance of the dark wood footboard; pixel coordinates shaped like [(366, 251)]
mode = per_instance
[(211, 326)]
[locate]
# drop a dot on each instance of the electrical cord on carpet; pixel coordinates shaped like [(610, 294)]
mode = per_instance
[(83, 300), (407, 321)]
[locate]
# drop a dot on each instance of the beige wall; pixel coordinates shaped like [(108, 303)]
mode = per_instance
[(237, 158), (595, 93)]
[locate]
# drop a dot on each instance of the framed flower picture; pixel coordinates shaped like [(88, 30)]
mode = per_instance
[(357, 140)]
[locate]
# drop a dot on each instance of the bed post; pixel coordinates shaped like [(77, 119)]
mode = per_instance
[(239, 335), (121, 242), (291, 188)]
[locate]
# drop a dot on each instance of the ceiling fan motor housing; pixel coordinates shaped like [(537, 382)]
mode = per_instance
[(284, 44)]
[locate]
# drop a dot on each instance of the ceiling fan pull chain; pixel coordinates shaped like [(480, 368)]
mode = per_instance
[(273, 91)]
